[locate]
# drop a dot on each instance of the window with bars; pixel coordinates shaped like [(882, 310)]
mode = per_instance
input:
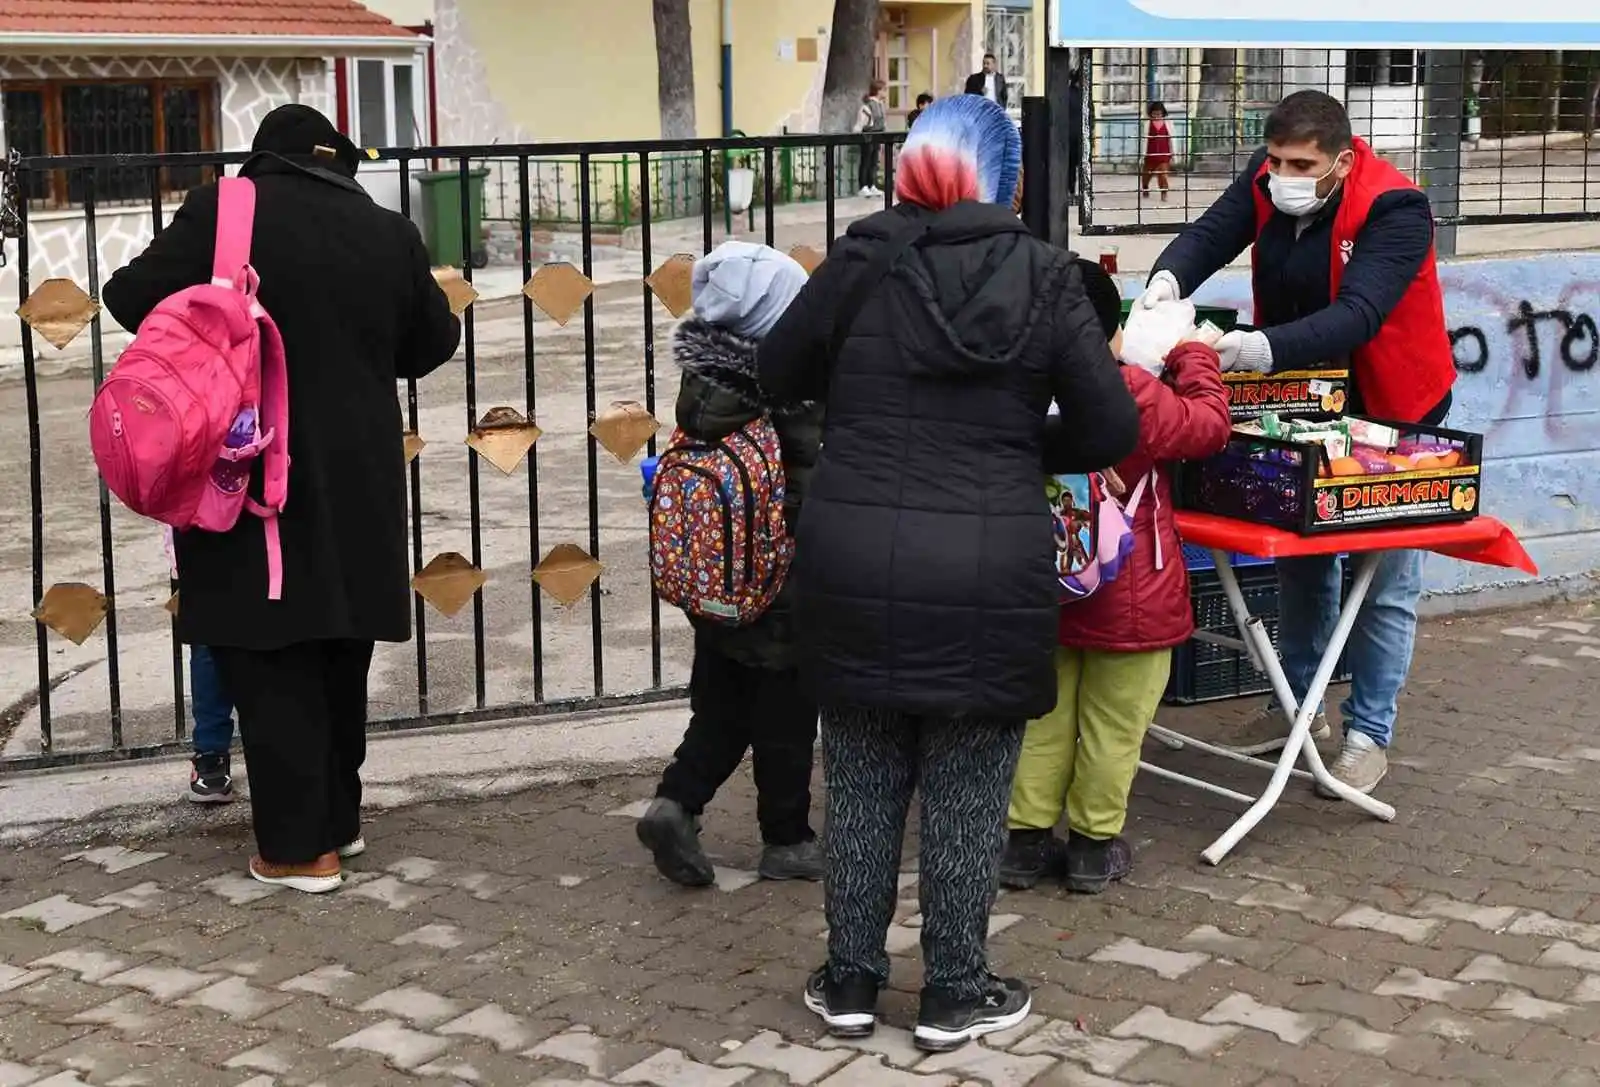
[(105, 117), (1381, 68), (386, 102), (1263, 76), (1007, 34)]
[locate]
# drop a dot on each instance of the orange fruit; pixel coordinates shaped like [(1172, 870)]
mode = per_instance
[(1401, 463), (1346, 466), (1426, 461), (1451, 459)]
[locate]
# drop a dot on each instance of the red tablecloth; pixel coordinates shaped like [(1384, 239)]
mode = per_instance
[(1482, 539)]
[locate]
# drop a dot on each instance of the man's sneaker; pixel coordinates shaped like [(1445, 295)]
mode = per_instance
[(210, 781), (945, 1023), (1267, 731), (673, 836), (1361, 764), (353, 848), (1030, 855), (803, 860), (318, 877), (1092, 864), (849, 1009)]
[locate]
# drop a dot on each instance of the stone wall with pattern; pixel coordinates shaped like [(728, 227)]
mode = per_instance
[(247, 89)]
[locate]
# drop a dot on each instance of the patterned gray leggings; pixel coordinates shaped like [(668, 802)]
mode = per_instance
[(872, 761)]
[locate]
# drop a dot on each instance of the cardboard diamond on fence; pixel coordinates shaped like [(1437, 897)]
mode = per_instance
[(807, 257), (58, 310), (460, 293), (503, 437), (566, 573), (671, 283), (448, 582), (624, 428), (559, 289), (73, 610), (412, 443), (171, 605)]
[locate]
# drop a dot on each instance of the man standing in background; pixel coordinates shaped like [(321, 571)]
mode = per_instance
[(989, 82)]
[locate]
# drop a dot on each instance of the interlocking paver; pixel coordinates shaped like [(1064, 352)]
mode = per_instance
[(1458, 945)]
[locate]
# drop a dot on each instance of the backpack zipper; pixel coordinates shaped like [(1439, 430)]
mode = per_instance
[(749, 511)]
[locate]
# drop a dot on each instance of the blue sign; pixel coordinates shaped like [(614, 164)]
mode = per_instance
[(1399, 24)]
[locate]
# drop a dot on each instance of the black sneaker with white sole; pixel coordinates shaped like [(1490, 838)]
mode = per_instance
[(849, 1008), (210, 781), (945, 1022)]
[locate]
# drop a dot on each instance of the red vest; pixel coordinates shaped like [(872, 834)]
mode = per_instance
[(1406, 369)]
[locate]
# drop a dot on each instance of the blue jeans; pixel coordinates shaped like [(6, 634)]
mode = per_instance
[(1379, 650), (213, 709)]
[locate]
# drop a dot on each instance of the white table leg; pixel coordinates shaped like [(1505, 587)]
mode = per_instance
[(1299, 742)]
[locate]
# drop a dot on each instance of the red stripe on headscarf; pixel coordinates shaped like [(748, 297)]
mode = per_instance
[(935, 178)]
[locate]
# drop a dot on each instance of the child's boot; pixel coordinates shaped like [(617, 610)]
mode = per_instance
[(1094, 863), (1030, 855), (802, 860), (673, 836)]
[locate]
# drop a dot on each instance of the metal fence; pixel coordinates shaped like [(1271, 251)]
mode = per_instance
[(1496, 137), (107, 672)]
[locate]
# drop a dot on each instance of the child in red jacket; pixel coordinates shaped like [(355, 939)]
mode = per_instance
[(1116, 645)]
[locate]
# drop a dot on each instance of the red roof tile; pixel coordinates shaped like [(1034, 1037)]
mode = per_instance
[(190, 18)]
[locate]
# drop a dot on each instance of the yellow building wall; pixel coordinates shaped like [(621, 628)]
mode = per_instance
[(771, 85)]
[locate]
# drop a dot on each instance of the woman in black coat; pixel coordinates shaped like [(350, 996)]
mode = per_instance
[(350, 288), (937, 333)]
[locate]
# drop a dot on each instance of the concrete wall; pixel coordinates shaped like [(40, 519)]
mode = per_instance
[(1528, 355)]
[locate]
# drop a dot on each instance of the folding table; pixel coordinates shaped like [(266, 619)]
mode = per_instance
[(1482, 540)]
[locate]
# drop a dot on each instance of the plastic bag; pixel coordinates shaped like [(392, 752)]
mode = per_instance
[(1150, 334)]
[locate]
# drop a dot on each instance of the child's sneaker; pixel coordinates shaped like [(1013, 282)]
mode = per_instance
[(209, 779), (1093, 863), (673, 836), (803, 860), (945, 1023), (849, 1009), (314, 878), (1030, 856)]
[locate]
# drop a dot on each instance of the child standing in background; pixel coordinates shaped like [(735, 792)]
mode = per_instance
[(210, 777), (1157, 151)]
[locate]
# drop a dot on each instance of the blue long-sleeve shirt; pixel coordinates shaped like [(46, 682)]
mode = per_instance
[(1292, 261)]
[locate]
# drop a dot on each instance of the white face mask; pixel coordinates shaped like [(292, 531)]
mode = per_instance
[(1298, 195)]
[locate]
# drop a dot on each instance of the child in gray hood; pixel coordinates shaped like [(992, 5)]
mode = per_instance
[(745, 692)]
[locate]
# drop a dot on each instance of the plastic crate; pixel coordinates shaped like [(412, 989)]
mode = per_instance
[(1202, 672), (1199, 558)]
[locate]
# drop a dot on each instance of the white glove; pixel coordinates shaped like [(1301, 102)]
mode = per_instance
[(1163, 287), (1245, 351)]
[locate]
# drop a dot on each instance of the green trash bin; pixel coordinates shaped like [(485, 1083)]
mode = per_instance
[(441, 199)]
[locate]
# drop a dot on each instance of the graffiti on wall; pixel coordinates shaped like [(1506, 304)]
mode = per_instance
[(1535, 335)]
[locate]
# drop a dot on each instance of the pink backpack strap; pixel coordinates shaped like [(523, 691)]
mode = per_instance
[(236, 218), (230, 267)]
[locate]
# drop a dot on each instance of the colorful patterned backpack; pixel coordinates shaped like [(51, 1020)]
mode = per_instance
[(719, 545)]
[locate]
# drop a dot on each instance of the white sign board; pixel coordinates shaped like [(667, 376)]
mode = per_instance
[(1397, 24)]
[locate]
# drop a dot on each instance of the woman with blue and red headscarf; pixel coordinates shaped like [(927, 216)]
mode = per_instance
[(937, 333)]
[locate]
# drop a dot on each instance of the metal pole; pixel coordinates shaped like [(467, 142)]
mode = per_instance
[(1058, 169), (1036, 176), (1439, 164)]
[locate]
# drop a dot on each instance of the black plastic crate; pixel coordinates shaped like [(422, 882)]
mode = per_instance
[(1202, 672)]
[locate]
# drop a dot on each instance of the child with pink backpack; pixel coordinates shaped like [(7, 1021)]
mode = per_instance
[(1125, 605)]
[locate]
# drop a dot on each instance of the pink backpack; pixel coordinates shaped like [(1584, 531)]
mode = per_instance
[(198, 396)]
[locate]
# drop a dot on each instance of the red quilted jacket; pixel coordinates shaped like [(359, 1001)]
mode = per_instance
[(1183, 416)]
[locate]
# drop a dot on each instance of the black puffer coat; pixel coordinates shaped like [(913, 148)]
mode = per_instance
[(924, 575), (719, 394)]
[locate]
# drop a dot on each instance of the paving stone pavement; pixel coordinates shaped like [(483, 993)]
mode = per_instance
[(525, 940)]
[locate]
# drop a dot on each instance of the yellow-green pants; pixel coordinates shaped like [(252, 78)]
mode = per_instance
[(1083, 755)]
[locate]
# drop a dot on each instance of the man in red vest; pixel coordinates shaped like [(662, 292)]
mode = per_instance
[(1344, 275)]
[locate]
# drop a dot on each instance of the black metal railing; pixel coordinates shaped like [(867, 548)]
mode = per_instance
[(121, 693)]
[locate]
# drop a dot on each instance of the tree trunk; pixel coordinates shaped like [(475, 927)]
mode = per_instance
[(852, 44), (674, 69)]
